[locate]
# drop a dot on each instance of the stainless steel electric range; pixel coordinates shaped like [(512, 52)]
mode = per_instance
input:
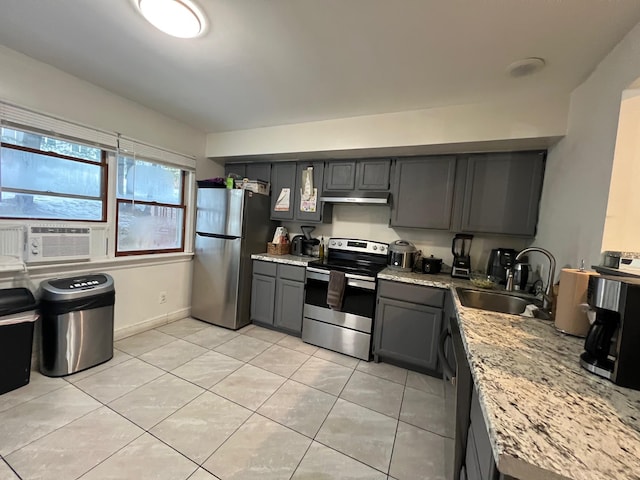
[(346, 330)]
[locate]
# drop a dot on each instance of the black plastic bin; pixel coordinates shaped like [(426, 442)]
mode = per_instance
[(17, 318)]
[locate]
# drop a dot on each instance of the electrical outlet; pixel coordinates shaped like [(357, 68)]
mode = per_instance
[(162, 298)]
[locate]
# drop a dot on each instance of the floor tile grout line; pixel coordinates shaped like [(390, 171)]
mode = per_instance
[(36, 397), (395, 435), (350, 456), (4, 457), (10, 467)]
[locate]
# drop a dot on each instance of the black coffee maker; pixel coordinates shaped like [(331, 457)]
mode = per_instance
[(500, 260), (611, 346)]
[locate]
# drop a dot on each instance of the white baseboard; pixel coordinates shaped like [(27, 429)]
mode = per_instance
[(150, 323)]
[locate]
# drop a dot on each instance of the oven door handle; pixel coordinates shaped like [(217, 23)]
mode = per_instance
[(323, 276)]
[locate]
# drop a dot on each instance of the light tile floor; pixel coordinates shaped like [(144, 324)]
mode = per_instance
[(193, 401)]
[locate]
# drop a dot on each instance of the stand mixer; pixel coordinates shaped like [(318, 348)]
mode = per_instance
[(460, 248)]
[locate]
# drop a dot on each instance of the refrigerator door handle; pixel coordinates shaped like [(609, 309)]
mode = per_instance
[(216, 235)]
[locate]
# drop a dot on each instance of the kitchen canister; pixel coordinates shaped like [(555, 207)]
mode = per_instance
[(570, 315)]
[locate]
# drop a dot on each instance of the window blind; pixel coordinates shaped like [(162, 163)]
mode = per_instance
[(30, 120), (149, 152), (24, 119)]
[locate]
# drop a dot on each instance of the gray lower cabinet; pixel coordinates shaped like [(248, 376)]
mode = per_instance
[(277, 296), (263, 297), (502, 193), (423, 192), (479, 462), (408, 323), (289, 305)]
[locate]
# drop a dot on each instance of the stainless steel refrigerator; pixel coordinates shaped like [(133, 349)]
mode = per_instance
[(230, 226)]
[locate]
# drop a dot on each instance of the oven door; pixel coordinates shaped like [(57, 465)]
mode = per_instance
[(347, 330)]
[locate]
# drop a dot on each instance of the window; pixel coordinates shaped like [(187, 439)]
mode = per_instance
[(150, 207), (49, 178)]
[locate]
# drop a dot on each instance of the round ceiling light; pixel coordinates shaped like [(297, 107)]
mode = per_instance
[(526, 66), (179, 18)]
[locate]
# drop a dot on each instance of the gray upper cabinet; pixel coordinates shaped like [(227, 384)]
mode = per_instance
[(289, 175), (318, 176), (373, 174), (252, 171), (502, 193), (239, 169), (423, 192), (340, 176), (258, 171), (283, 175), (369, 175)]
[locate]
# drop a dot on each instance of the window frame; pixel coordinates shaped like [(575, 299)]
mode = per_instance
[(182, 206), (104, 181)]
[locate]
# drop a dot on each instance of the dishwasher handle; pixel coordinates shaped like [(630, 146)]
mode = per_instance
[(449, 374)]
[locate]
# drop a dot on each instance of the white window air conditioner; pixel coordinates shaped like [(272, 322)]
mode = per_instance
[(57, 244)]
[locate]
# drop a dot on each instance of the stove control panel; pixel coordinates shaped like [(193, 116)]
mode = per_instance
[(361, 246)]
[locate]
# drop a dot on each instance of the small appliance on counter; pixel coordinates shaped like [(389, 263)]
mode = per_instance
[(402, 255), (500, 260), (611, 347), (521, 275), (304, 244), (431, 265), (460, 248), (571, 315)]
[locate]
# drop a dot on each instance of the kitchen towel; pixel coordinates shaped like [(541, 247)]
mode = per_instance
[(335, 291), (570, 316)]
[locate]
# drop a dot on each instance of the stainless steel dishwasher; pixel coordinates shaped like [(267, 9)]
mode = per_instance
[(76, 323)]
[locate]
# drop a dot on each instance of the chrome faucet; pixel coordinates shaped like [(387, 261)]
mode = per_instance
[(547, 297)]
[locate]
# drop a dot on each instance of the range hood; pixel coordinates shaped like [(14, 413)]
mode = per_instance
[(359, 198)]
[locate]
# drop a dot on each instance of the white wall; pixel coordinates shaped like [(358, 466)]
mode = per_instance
[(510, 120), (578, 173), (622, 224), (372, 223), (32, 84)]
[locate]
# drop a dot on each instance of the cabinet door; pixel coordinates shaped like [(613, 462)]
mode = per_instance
[(239, 169), (340, 176), (263, 294), (502, 193), (258, 171), (283, 175), (318, 175), (289, 305), (407, 332), (423, 192), (373, 175)]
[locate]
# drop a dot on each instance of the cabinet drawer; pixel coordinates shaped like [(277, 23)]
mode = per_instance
[(431, 296), (265, 268), (291, 272)]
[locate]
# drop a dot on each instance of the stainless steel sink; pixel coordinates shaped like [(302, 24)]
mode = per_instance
[(498, 302)]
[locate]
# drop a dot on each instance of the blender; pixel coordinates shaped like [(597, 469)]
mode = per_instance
[(460, 248)]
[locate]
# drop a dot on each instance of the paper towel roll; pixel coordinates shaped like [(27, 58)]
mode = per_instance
[(570, 316)]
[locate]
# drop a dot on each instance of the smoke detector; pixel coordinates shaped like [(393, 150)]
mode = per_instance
[(526, 66)]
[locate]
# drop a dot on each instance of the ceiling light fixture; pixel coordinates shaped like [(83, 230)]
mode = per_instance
[(526, 66), (179, 18)]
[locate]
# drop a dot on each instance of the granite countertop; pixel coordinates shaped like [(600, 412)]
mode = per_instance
[(301, 261), (548, 418)]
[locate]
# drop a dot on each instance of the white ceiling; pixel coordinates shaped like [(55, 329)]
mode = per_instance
[(275, 62)]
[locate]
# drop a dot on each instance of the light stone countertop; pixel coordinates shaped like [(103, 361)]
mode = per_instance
[(548, 418), (301, 261)]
